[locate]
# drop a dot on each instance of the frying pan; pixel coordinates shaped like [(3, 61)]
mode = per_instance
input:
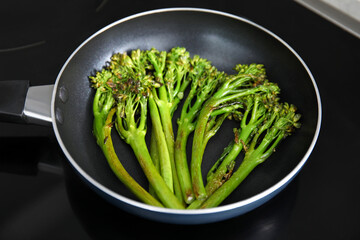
[(222, 38)]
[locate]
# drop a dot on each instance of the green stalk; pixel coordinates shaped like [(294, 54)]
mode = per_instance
[(217, 164), (115, 164), (220, 98), (185, 128), (134, 131), (204, 80), (154, 153), (252, 159), (198, 151), (230, 185), (254, 115), (164, 105), (206, 127), (164, 156), (281, 123), (220, 172), (166, 196), (166, 121), (182, 165)]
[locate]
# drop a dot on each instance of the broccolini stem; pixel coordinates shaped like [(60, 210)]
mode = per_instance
[(166, 121), (185, 127), (182, 165), (154, 153), (230, 185), (220, 173), (277, 127), (217, 164), (117, 167), (221, 98), (164, 103), (198, 151), (166, 196), (206, 128), (241, 137), (165, 161), (204, 79), (250, 161), (224, 171)]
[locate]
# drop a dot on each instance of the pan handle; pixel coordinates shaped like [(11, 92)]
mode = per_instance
[(22, 103)]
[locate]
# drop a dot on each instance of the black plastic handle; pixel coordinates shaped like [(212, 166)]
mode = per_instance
[(12, 100)]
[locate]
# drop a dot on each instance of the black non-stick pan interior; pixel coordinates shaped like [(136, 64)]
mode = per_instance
[(223, 40)]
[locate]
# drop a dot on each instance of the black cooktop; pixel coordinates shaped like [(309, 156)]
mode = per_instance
[(42, 198)]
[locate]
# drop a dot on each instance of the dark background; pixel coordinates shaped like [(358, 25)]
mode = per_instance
[(41, 199)]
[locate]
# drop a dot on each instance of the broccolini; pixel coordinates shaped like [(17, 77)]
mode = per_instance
[(151, 84), (249, 80), (103, 114), (279, 124)]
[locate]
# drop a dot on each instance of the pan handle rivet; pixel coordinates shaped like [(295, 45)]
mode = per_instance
[(59, 116), (63, 94)]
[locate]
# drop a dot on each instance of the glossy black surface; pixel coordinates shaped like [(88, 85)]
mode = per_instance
[(322, 202)]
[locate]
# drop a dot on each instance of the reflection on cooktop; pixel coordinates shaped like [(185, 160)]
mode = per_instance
[(343, 13)]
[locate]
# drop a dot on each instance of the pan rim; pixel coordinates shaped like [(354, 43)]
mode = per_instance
[(262, 195)]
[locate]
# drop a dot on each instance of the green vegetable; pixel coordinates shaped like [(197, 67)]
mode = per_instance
[(256, 111), (280, 123), (251, 79), (204, 80), (151, 84), (131, 87), (170, 70), (103, 123)]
